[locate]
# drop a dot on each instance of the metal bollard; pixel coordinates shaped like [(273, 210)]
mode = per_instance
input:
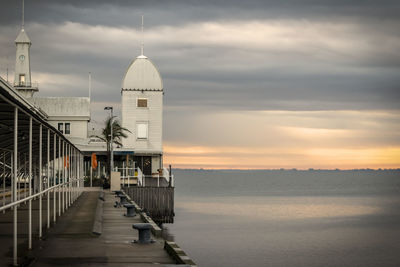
[(130, 210), (101, 196), (123, 199), (144, 233)]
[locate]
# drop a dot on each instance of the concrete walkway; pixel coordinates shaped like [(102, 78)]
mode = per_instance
[(71, 242), (6, 229)]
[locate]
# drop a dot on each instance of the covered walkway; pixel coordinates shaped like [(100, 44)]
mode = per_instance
[(36, 162)]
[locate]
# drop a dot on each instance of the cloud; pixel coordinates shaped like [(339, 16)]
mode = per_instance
[(349, 129), (180, 12), (275, 75), (283, 139), (273, 64)]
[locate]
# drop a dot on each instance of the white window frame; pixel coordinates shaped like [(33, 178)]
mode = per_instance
[(22, 79), (62, 127), (139, 131), (65, 128)]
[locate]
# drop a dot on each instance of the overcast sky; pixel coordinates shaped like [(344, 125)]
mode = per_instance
[(248, 84)]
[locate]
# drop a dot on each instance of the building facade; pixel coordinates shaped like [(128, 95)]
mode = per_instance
[(70, 115), (142, 112)]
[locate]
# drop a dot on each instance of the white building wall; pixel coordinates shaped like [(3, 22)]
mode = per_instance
[(73, 110), (155, 164), (79, 128), (131, 115), (22, 66)]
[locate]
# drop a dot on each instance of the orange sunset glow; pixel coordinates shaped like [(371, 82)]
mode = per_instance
[(288, 139), (264, 158)]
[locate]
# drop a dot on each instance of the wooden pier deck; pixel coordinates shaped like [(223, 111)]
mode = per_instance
[(70, 241)]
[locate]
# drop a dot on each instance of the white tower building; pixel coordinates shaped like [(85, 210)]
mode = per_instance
[(142, 108), (22, 78), (70, 115)]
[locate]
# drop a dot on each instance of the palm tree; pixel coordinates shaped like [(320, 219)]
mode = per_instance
[(119, 132)]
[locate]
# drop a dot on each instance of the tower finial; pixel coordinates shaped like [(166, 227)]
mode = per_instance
[(23, 11), (90, 85), (142, 35)]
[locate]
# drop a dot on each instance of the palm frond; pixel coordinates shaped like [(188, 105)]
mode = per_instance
[(100, 137), (119, 132)]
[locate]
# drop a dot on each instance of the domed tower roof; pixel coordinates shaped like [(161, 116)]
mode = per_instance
[(142, 74)]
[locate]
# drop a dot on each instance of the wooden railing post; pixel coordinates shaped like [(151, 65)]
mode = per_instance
[(170, 176)]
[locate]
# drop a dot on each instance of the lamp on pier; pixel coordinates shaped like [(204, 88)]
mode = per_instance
[(111, 138)]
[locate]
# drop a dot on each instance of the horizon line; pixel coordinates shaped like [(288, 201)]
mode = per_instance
[(291, 169)]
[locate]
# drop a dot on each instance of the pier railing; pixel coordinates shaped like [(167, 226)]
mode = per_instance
[(168, 176), (157, 202), (130, 176), (135, 177), (17, 170), (154, 194)]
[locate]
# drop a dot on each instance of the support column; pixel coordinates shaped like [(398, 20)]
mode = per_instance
[(59, 176), (81, 174), (63, 175), (69, 175), (78, 169), (83, 170), (4, 178), (66, 176), (54, 177), (76, 175), (14, 189), (73, 174), (40, 180), (48, 178), (91, 172), (30, 185)]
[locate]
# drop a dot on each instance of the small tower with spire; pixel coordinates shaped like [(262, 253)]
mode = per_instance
[(22, 80)]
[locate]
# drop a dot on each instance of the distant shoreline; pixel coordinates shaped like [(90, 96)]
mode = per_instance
[(293, 169)]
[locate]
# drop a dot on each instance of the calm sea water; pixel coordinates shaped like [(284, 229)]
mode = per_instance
[(288, 218)]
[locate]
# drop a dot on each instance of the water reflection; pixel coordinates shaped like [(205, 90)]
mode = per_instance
[(280, 208), (288, 218)]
